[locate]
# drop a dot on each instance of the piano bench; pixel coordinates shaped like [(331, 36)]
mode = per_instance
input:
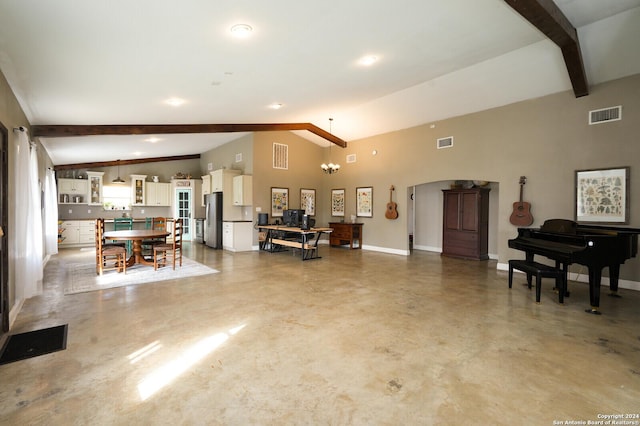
[(540, 271)]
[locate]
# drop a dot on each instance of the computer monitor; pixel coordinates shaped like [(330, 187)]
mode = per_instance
[(292, 217)]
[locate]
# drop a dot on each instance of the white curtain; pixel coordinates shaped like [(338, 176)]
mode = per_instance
[(28, 232), (50, 214)]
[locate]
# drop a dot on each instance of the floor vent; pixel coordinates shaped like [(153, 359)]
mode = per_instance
[(445, 142), (280, 156), (604, 115)]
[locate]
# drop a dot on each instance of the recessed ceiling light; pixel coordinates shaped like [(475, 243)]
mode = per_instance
[(241, 30), (368, 60), (153, 139), (175, 101), (276, 106)]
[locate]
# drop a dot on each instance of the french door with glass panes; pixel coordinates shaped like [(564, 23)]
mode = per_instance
[(184, 210)]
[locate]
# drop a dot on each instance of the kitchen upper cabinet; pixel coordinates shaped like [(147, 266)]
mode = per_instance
[(222, 180), (242, 190), (94, 194), (206, 188), (72, 191), (157, 194), (138, 190)]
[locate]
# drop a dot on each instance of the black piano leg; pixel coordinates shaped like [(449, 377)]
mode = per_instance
[(565, 268), (614, 275), (595, 277)]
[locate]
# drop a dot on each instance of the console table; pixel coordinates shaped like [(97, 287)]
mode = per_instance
[(278, 236), (345, 233)]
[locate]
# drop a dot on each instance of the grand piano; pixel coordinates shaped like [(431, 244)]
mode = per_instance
[(596, 247)]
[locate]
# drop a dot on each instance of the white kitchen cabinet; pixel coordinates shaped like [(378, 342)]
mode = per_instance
[(71, 189), (222, 181), (237, 236), (206, 188), (138, 190), (94, 188), (76, 233), (157, 194), (242, 190)]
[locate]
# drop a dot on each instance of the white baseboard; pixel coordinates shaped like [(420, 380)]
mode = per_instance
[(13, 313)]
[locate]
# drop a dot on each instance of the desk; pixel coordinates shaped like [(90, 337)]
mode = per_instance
[(344, 233), (136, 235), (278, 236)]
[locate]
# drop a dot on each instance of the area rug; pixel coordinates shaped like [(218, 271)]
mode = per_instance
[(34, 343), (82, 277)]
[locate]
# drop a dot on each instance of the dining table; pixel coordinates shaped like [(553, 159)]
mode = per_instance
[(136, 236)]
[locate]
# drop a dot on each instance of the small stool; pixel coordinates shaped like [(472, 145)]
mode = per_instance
[(540, 271)]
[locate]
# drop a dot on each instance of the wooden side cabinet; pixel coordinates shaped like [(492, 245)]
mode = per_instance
[(345, 233), (466, 223)]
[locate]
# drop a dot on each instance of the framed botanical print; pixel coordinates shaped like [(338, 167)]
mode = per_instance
[(364, 201), (602, 195), (279, 201), (308, 201), (337, 202)]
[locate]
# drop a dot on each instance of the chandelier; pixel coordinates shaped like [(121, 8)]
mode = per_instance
[(330, 168)]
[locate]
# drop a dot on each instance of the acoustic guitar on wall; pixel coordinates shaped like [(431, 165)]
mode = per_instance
[(392, 208), (521, 215)]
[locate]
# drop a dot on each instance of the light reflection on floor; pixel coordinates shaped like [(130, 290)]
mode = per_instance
[(163, 376)]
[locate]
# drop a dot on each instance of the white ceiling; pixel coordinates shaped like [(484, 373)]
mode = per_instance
[(116, 62)]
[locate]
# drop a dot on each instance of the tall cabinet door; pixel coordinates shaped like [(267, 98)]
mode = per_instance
[(466, 223)]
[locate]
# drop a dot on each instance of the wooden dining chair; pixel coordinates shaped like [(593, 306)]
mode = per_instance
[(105, 253), (173, 249), (157, 224)]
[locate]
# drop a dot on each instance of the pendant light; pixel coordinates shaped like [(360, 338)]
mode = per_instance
[(330, 168), (118, 179)]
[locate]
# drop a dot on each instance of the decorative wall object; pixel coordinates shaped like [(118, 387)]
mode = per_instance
[(602, 195), (337, 202), (364, 201), (279, 201), (308, 201)]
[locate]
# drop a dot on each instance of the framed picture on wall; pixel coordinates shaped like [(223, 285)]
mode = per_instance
[(602, 195), (308, 201), (364, 201), (337, 202), (279, 201)]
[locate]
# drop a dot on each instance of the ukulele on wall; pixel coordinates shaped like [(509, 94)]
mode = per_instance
[(392, 208), (521, 215)]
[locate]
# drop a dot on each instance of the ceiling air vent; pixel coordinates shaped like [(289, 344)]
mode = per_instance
[(604, 115), (351, 158), (280, 156), (445, 142)]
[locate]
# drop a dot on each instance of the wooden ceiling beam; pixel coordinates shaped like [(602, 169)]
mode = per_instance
[(95, 164), (57, 131), (547, 17)]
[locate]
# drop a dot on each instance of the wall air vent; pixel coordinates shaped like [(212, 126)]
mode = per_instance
[(280, 156), (445, 142), (351, 158), (605, 115)]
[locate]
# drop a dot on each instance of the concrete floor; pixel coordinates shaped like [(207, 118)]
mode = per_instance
[(355, 338)]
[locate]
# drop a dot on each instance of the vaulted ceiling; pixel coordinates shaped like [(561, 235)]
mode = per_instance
[(96, 63)]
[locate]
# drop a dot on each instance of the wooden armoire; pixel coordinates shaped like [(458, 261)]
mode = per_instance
[(466, 223)]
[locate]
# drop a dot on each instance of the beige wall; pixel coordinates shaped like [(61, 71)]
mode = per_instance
[(544, 139)]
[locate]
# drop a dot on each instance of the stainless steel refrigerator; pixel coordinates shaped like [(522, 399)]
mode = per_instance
[(213, 222)]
